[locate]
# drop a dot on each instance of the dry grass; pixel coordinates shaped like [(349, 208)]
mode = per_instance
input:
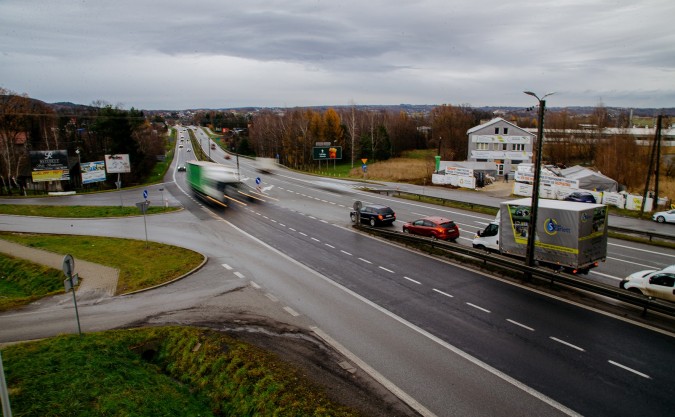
[(409, 170)]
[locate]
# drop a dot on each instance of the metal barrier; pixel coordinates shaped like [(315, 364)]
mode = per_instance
[(544, 274), (443, 201)]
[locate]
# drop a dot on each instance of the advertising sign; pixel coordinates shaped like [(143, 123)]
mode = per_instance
[(92, 172), (322, 153), (117, 164), (49, 165)]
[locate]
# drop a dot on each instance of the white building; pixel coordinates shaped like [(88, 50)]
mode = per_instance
[(501, 142)]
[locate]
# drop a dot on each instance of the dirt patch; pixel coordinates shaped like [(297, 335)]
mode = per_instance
[(318, 362)]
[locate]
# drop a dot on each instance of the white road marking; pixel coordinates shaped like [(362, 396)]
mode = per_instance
[(641, 250), (292, 229), (413, 281), (271, 297), (330, 246), (228, 267), (478, 307), (291, 311), (443, 293), (302, 233), (568, 344), (520, 324), (345, 252), (629, 369), (315, 239), (365, 260), (240, 275), (256, 286), (385, 269)]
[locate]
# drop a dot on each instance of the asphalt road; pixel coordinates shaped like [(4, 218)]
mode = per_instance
[(458, 342)]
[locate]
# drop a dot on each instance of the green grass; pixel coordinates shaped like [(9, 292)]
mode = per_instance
[(22, 282), (79, 211), (158, 371), (141, 265)]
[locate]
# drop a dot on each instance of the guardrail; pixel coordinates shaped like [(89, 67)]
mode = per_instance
[(543, 274), (444, 201)]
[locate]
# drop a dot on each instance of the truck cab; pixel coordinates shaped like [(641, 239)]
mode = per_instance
[(488, 238)]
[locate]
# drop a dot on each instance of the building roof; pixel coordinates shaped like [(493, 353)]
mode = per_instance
[(494, 121)]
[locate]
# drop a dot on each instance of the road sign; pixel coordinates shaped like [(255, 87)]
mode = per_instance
[(364, 160), (70, 283), (68, 265), (257, 180), (145, 194)]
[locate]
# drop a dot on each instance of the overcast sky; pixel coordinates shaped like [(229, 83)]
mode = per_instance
[(173, 54)]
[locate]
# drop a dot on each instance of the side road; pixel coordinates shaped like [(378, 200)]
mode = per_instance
[(96, 281)]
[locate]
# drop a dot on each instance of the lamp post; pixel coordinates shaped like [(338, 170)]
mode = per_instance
[(531, 230)]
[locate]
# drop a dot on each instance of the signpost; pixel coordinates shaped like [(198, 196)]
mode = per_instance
[(143, 207), (71, 281)]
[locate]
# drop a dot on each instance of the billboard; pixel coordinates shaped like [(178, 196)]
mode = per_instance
[(49, 165), (92, 171), (324, 153), (117, 164)]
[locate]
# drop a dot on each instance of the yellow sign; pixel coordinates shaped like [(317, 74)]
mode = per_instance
[(364, 160), (50, 175)]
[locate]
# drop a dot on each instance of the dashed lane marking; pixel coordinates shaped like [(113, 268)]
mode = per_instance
[(568, 344)]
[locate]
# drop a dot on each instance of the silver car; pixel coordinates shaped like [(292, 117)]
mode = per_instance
[(652, 283)]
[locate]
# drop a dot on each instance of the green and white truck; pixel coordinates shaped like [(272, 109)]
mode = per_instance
[(568, 235)]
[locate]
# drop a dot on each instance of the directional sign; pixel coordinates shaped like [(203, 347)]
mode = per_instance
[(257, 180), (145, 194), (68, 265)]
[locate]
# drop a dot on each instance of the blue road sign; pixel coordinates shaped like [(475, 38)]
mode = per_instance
[(145, 194), (257, 180)]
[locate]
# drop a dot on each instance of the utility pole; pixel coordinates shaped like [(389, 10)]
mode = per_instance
[(532, 226)]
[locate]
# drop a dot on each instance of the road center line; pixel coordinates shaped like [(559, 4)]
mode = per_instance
[(478, 307), (365, 260), (443, 293), (240, 275), (629, 369), (385, 269), (345, 252), (414, 281), (520, 324), (291, 311), (228, 267), (330, 246), (567, 344)]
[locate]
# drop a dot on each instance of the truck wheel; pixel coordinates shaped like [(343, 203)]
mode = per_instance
[(372, 222)]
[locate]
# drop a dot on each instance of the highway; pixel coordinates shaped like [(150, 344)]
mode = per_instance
[(455, 340)]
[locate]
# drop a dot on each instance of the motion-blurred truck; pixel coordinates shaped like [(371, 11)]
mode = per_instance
[(214, 183), (569, 236)]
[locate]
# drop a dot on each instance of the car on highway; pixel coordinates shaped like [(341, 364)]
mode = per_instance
[(434, 227), (652, 283), (664, 216), (581, 197), (374, 215), (181, 167)]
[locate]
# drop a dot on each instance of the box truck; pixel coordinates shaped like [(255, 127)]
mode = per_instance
[(568, 235)]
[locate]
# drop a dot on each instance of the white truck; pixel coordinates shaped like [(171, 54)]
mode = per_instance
[(570, 236)]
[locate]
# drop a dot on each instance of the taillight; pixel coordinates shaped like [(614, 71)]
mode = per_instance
[(380, 217), (440, 230)]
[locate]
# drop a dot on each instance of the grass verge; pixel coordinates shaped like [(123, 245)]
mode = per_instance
[(159, 371), (141, 264), (78, 211), (22, 282)]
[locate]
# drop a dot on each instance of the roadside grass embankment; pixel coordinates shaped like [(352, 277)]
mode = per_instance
[(140, 264), (79, 212), (157, 371)]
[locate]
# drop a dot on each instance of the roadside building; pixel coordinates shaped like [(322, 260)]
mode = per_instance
[(502, 143)]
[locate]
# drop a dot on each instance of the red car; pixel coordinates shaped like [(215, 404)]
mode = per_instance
[(433, 227)]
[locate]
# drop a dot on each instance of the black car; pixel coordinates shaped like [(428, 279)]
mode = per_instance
[(581, 197), (375, 214)]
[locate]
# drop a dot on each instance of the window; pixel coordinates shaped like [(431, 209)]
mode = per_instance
[(496, 130), (518, 146), (665, 280), (506, 130), (504, 145), (496, 146), (482, 146)]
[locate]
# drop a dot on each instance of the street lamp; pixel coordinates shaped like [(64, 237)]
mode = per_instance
[(531, 230)]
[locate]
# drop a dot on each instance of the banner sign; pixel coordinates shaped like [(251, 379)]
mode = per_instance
[(117, 164), (512, 155), (50, 165), (92, 171), (547, 180), (326, 152), (526, 140), (466, 172)]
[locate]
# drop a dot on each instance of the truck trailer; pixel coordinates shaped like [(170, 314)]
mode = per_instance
[(212, 182), (569, 236)]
